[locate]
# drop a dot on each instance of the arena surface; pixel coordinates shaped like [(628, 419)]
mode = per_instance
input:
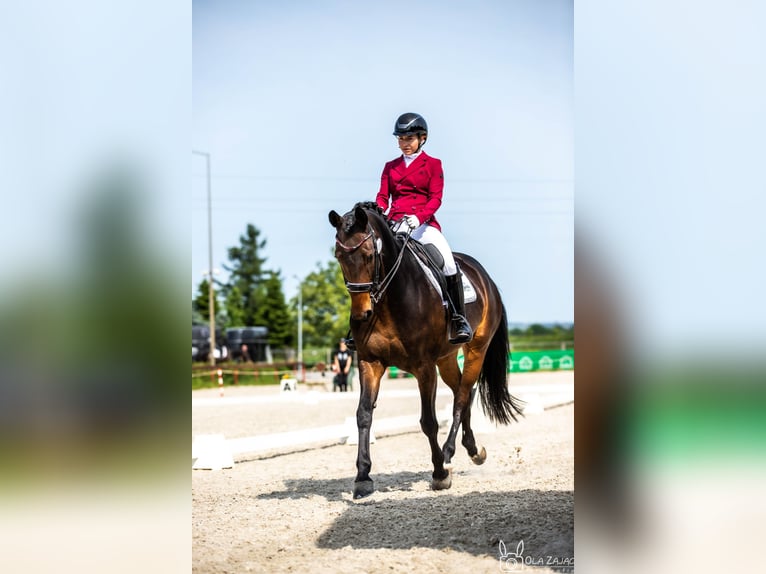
[(286, 504)]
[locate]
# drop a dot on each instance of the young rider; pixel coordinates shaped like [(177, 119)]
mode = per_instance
[(413, 184)]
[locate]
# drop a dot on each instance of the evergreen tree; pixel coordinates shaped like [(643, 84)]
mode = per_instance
[(201, 303), (235, 314), (273, 311), (201, 306), (246, 272)]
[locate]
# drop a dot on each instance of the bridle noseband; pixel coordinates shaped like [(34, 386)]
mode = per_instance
[(376, 288)]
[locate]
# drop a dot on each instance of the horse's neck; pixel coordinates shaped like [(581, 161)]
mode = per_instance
[(409, 279)]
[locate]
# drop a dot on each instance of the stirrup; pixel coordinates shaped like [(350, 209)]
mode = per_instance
[(462, 329)]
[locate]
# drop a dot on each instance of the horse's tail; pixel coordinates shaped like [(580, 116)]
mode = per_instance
[(498, 404)]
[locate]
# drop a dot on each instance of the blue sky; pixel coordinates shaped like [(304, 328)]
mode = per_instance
[(296, 101)]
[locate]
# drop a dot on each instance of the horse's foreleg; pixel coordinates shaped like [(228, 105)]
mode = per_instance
[(442, 478), (369, 376)]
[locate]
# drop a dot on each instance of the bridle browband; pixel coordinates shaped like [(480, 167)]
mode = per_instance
[(376, 288), (348, 249)]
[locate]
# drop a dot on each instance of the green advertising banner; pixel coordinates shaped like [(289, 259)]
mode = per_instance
[(524, 361)]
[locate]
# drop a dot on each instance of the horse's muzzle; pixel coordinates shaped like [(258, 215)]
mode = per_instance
[(364, 316), (361, 306)]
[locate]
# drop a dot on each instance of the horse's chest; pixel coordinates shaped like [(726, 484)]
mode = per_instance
[(387, 348)]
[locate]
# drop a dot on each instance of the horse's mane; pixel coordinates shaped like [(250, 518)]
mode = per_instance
[(376, 210), (369, 205)]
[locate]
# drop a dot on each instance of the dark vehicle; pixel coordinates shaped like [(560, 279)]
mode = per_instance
[(234, 339), (201, 344), (249, 344)]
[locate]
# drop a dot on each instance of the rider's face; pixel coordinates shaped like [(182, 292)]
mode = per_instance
[(409, 143)]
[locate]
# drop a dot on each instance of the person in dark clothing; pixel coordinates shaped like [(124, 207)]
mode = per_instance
[(341, 366)]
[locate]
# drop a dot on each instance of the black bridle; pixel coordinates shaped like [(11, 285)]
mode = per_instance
[(377, 287)]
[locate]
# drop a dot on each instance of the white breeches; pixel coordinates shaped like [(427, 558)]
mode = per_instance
[(427, 234)]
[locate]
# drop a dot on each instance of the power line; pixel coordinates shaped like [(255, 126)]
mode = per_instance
[(325, 200), (377, 179), (289, 209)]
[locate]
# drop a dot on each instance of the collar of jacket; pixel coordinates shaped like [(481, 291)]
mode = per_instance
[(400, 167)]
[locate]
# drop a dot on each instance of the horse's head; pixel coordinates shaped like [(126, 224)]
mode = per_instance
[(357, 248)]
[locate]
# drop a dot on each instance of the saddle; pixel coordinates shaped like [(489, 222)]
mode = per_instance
[(431, 258)]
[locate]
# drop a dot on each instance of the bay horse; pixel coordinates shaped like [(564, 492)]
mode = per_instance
[(398, 318)]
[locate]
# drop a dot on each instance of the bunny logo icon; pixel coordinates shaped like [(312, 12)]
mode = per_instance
[(511, 561)]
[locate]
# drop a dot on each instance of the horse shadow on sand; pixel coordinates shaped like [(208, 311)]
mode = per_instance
[(474, 522)]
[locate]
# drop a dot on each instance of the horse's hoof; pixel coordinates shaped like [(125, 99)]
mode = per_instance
[(442, 483), (363, 488), (480, 457)]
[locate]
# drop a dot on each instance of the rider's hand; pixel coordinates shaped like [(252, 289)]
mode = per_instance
[(412, 221)]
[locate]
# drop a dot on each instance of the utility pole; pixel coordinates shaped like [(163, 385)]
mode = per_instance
[(300, 328), (211, 296)]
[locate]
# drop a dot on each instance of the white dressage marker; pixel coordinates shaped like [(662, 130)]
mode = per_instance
[(288, 385), (211, 453)]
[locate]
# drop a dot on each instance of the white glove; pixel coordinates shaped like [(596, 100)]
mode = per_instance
[(412, 221)]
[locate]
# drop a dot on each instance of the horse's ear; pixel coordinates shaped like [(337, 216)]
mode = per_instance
[(360, 217), (335, 219)]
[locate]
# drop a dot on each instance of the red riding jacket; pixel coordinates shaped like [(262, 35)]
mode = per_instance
[(414, 190)]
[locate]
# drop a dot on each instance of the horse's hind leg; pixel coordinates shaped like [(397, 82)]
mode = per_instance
[(464, 392), (442, 478), (450, 373), (469, 441)]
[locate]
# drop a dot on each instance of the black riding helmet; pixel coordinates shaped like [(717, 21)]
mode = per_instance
[(410, 123)]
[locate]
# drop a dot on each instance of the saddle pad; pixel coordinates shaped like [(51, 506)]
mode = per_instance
[(469, 293)]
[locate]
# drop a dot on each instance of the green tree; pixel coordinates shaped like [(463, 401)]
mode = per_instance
[(201, 302), (325, 306), (246, 272), (273, 311), (537, 329), (201, 306), (235, 314)]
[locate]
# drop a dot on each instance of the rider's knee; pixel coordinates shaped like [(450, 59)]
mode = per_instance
[(449, 266)]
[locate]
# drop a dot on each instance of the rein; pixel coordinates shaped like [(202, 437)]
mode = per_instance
[(378, 295), (376, 288)]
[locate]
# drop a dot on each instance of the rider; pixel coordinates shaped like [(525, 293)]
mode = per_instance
[(413, 183)]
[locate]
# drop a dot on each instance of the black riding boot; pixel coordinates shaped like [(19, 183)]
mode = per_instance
[(460, 330)]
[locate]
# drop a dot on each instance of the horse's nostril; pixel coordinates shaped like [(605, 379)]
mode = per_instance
[(367, 315)]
